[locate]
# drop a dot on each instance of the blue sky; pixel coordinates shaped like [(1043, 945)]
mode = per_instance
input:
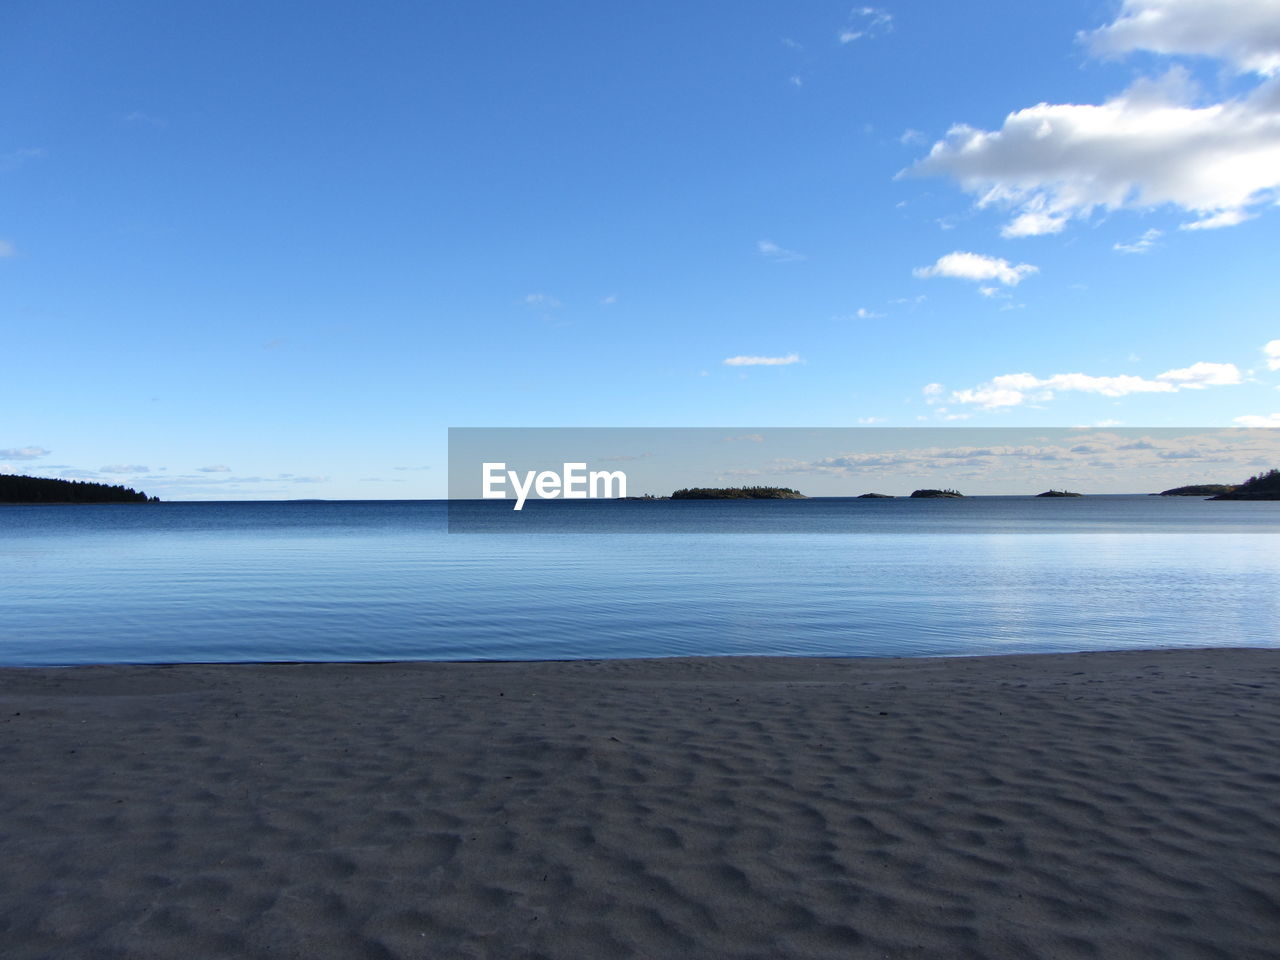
[(247, 252)]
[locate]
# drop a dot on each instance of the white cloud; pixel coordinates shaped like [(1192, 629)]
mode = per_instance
[(975, 266), (23, 453), (865, 22), (867, 421), (1142, 244), (933, 392), (125, 468), (609, 300), (1272, 350), (990, 396), (215, 468), (1245, 33), (1013, 389), (1200, 375), (771, 250), (1155, 145), (1054, 162), (7, 249), (762, 361), (1256, 421), (1224, 218), (863, 313)]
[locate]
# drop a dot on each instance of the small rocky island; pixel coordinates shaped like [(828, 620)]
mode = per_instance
[(1197, 490), (738, 493), (875, 496), (1264, 486), (1059, 493), (936, 494), (22, 489)]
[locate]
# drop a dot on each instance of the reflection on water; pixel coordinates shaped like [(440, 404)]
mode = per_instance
[(384, 580)]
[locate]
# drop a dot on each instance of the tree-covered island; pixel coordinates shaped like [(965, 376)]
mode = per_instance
[(1059, 493), (931, 494), (738, 493)]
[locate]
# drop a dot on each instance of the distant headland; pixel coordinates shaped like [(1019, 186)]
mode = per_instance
[(1197, 490), (738, 493), (22, 489), (1263, 486)]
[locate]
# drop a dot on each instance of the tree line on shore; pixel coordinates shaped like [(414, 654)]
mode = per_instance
[(1261, 486), (22, 489)]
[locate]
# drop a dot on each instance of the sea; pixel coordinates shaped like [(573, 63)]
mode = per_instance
[(474, 580)]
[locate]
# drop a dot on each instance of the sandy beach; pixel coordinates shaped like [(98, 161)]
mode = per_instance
[(1059, 806)]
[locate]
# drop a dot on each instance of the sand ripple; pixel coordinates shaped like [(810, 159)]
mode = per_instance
[(1079, 806)]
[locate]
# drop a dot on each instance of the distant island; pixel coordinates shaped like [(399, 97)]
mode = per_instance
[(875, 496), (936, 494), (1059, 493), (1263, 486), (1197, 490), (738, 493), (21, 489)]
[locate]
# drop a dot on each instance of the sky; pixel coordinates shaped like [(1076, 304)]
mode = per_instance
[(256, 251)]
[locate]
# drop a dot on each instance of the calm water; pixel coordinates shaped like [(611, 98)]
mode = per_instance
[(172, 582)]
